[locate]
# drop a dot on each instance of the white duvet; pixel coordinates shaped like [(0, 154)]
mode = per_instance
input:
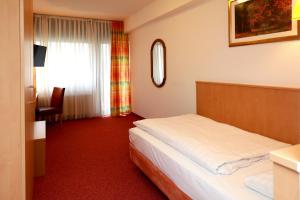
[(220, 148)]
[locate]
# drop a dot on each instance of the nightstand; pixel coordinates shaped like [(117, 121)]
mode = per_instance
[(286, 173)]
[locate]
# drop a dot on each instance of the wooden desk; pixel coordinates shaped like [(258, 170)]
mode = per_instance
[(39, 139)]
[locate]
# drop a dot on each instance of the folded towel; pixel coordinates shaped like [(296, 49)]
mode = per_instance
[(261, 183)]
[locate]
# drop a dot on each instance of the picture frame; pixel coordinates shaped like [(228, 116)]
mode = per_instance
[(259, 21)]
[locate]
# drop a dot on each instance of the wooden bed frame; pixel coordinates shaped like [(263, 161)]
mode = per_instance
[(164, 183), (273, 112)]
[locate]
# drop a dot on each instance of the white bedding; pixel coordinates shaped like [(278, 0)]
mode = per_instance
[(220, 148), (193, 179)]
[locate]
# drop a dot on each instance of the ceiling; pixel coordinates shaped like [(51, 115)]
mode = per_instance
[(104, 9)]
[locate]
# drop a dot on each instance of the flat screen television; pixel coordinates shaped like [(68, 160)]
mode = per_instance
[(39, 55)]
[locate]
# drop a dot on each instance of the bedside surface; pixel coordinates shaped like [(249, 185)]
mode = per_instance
[(288, 157)]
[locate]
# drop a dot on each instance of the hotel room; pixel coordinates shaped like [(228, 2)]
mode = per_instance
[(150, 99)]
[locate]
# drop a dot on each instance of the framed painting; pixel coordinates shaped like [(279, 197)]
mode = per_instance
[(261, 21)]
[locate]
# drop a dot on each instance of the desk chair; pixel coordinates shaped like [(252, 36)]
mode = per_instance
[(56, 106)]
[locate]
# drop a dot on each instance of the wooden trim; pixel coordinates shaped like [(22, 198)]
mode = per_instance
[(273, 112), (270, 40), (165, 63), (163, 182)]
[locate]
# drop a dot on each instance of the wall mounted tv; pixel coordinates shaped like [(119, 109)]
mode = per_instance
[(39, 55)]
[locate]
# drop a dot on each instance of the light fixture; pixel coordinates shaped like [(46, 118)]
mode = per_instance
[(296, 11)]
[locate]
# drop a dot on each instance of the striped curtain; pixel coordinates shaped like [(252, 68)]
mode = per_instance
[(120, 73)]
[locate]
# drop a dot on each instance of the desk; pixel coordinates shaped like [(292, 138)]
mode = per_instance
[(39, 139)]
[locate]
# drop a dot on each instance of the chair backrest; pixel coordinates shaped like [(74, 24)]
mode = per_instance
[(57, 99)]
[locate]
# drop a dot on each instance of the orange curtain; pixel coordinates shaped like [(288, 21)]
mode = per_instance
[(120, 72)]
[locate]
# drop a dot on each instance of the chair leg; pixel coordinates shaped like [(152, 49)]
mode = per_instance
[(48, 118), (60, 118), (39, 117)]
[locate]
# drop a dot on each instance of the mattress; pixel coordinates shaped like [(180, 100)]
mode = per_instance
[(191, 178)]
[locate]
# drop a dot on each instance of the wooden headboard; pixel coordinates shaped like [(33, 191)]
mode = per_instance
[(270, 111)]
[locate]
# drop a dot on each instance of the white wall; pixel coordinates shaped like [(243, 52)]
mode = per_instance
[(197, 49)]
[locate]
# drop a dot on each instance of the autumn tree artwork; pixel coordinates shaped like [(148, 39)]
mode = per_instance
[(260, 17)]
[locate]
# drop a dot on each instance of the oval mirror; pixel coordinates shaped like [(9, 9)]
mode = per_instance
[(158, 63)]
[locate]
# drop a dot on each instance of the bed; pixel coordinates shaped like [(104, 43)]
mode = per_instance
[(271, 112)]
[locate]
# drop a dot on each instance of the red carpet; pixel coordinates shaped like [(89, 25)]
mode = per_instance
[(89, 160)]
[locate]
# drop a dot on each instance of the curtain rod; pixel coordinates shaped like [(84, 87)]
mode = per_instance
[(72, 17)]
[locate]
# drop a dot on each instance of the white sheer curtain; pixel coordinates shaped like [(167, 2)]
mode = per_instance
[(78, 58)]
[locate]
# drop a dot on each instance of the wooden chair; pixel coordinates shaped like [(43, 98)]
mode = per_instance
[(56, 106)]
